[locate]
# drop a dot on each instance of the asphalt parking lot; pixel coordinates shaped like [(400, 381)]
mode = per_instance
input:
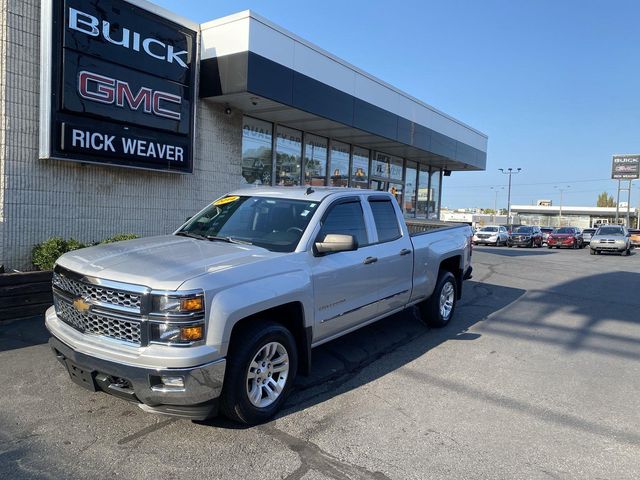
[(538, 377)]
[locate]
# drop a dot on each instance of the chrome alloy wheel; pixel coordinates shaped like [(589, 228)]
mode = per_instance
[(267, 374), (447, 297)]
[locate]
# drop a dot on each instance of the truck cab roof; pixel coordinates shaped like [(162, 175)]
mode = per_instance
[(302, 193)]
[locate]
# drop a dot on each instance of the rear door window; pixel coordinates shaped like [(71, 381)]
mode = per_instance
[(385, 219)]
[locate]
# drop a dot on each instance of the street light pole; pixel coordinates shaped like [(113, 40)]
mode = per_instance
[(495, 202), (562, 189), (509, 171)]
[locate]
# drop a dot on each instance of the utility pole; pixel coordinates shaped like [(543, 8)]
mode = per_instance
[(562, 189), (509, 171), (495, 202)]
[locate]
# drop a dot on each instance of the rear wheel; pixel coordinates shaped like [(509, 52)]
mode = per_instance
[(438, 310), (261, 368)]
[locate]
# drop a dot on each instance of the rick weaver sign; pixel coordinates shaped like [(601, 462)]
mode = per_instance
[(118, 85)]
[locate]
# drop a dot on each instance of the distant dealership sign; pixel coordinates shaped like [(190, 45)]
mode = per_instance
[(625, 167), (118, 85)]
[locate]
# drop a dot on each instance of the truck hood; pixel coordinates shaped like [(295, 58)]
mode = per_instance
[(163, 262)]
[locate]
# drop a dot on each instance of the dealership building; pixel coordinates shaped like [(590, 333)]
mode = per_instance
[(121, 117)]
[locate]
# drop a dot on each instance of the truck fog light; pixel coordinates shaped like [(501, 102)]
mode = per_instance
[(172, 382), (191, 334)]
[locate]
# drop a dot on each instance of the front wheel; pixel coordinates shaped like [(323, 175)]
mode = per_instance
[(438, 310), (261, 368)]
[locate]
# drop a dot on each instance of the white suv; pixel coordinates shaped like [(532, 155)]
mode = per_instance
[(491, 235)]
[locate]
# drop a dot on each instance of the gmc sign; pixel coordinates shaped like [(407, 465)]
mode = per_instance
[(118, 86), (103, 89)]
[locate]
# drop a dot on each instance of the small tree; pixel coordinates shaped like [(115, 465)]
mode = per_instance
[(605, 200)]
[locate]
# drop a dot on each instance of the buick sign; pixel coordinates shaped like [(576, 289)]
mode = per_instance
[(118, 85)]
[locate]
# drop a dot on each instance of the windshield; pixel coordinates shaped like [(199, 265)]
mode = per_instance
[(489, 229), (272, 223), (523, 230), (564, 230), (609, 231)]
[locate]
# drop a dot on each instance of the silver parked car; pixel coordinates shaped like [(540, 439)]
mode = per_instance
[(611, 238)]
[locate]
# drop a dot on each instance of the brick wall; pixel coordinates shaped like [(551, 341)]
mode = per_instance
[(44, 198)]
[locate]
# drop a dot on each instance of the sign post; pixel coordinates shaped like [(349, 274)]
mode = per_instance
[(625, 168)]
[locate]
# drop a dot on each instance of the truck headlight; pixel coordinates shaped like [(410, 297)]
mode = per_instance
[(177, 319), (178, 304)]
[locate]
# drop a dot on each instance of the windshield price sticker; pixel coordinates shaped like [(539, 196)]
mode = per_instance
[(225, 200)]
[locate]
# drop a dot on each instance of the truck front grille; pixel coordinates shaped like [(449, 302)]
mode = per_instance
[(97, 309), (97, 293), (98, 323)]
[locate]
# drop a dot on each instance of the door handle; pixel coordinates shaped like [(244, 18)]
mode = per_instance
[(369, 260), (405, 251)]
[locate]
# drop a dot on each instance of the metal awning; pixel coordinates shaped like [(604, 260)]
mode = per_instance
[(261, 69)]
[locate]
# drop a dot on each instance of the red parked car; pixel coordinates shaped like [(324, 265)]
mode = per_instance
[(569, 237)]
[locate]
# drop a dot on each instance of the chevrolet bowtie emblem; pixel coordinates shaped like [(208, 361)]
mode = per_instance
[(81, 305)]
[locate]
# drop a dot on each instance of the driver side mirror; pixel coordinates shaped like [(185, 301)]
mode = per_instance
[(335, 242)]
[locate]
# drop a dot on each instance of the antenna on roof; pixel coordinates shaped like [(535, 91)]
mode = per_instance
[(309, 191)]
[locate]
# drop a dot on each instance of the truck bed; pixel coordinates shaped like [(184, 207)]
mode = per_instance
[(418, 226)]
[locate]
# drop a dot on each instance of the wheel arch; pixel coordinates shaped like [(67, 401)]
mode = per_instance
[(289, 315)]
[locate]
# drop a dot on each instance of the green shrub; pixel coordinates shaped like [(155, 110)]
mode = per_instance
[(45, 254), (120, 237)]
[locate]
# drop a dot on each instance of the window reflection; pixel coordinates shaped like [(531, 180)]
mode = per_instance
[(256, 151), (339, 164), (410, 189), (423, 192), (434, 199), (315, 160), (360, 168), (288, 156)]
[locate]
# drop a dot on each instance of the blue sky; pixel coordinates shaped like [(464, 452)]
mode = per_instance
[(554, 84)]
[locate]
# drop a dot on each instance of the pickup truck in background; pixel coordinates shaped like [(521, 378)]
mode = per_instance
[(225, 312)]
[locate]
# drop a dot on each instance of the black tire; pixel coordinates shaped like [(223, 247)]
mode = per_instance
[(627, 252), (592, 251), (549, 247), (234, 401), (430, 309)]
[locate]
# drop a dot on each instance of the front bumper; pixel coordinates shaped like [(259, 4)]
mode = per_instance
[(521, 243), (560, 243), (485, 241), (607, 247), (197, 400)]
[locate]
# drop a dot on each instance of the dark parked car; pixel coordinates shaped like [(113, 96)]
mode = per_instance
[(545, 233), (569, 237), (526, 236), (587, 233)]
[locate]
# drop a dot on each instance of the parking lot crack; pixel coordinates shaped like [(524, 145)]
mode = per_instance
[(312, 457)]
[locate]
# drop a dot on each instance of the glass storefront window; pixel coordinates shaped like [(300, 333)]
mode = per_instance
[(423, 192), (396, 189), (434, 200), (315, 160), (339, 164), (396, 168), (288, 156), (256, 151), (360, 168), (410, 189), (380, 165), (386, 186)]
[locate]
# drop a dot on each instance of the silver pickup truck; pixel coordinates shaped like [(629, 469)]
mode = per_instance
[(226, 311)]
